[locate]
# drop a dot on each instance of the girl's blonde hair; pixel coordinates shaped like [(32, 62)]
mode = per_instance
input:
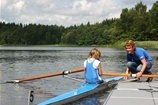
[(130, 43), (94, 53)]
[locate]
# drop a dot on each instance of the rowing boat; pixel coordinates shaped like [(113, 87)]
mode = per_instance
[(83, 91), (134, 92)]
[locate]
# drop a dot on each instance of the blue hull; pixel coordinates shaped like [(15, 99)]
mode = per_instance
[(84, 90)]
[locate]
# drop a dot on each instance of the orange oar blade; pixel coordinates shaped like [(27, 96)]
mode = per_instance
[(45, 76), (41, 76), (113, 74), (152, 75)]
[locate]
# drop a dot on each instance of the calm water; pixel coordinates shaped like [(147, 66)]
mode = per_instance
[(23, 62)]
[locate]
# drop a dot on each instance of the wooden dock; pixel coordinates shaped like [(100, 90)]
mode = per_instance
[(134, 93)]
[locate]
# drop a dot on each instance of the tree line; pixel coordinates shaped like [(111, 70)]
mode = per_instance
[(136, 23)]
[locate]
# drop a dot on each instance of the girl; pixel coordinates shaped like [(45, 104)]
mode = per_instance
[(93, 69)]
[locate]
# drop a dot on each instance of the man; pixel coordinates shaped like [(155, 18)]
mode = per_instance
[(139, 61)]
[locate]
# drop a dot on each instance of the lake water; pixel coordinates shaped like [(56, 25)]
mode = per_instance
[(23, 62)]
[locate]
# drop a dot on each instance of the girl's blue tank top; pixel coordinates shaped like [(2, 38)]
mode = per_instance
[(91, 73)]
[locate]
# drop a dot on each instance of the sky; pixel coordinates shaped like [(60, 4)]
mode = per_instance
[(64, 12)]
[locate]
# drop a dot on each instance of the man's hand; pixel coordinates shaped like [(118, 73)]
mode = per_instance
[(139, 74)]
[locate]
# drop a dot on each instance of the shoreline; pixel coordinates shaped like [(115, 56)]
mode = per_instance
[(117, 45)]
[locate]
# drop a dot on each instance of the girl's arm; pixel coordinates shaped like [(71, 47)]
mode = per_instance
[(126, 72), (100, 71)]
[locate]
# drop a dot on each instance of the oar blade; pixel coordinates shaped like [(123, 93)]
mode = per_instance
[(12, 81)]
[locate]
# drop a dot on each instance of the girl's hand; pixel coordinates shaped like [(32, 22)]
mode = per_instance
[(125, 77)]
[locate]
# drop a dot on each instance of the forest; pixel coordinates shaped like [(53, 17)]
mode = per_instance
[(135, 23)]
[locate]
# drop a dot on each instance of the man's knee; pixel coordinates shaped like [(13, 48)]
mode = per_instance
[(129, 64)]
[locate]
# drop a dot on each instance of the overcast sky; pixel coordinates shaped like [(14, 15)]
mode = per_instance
[(64, 12)]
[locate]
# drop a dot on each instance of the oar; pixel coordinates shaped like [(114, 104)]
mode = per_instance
[(46, 75), (129, 75)]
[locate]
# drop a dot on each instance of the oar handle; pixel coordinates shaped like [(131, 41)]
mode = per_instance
[(129, 75)]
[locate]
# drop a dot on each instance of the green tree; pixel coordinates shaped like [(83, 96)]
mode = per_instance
[(153, 20)]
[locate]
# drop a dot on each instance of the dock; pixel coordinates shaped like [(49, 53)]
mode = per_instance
[(134, 93)]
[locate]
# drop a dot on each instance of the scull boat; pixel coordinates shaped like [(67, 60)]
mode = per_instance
[(83, 91)]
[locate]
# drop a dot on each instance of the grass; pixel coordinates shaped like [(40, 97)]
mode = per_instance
[(143, 44), (148, 44)]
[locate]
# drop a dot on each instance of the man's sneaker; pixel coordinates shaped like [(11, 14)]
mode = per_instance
[(149, 79), (138, 79)]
